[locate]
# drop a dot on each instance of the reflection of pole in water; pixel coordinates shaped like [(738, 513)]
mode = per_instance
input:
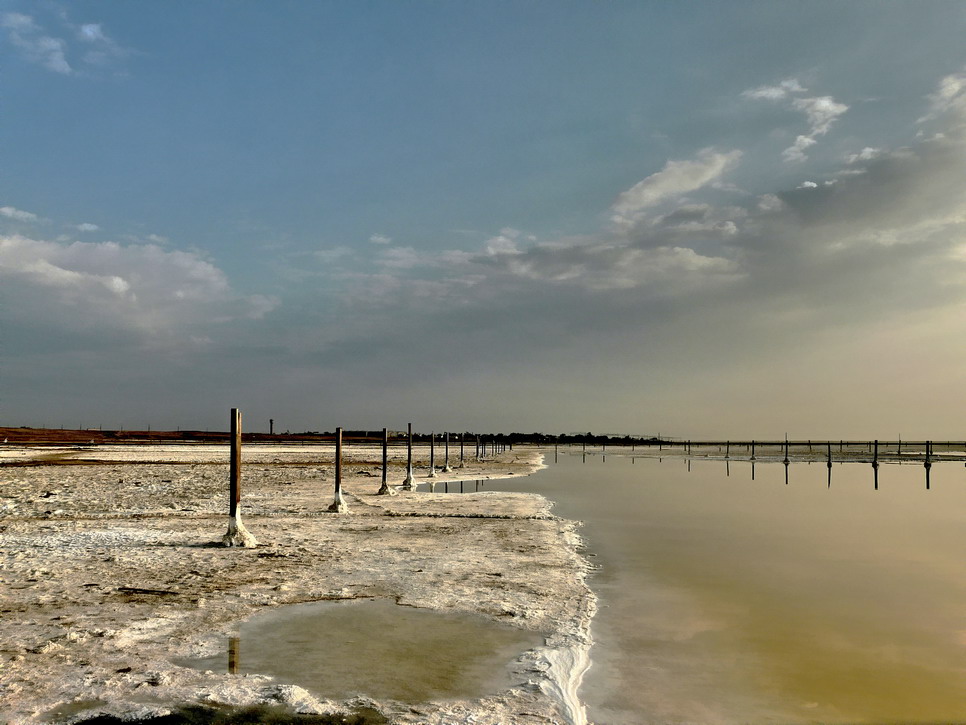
[(689, 465), (785, 462), (233, 647), (875, 465), (829, 465), (927, 464), (752, 469), (727, 467)]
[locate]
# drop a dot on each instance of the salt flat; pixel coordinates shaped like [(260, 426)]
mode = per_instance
[(112, 570)]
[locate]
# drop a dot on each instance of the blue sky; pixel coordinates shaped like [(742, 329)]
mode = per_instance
[(698, 218)]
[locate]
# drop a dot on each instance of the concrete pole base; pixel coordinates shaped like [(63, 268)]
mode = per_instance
[(386, 490)]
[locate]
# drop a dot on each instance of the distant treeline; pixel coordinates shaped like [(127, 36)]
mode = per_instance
[(95, 436)]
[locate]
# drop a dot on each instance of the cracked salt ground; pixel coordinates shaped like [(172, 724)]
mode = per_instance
[(118, 573)]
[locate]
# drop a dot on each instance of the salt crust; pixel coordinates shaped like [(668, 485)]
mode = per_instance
[(113, 569)]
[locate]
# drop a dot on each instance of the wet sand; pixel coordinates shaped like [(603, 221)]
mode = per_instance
[(112, 570)]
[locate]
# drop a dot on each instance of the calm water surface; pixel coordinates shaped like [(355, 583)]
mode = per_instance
[(376, 648), (731, 600)]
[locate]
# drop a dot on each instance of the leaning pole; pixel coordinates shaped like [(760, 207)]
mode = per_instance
[(237, 534)]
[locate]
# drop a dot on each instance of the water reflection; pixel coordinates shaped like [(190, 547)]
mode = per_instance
[(341, 649), (731, 602)]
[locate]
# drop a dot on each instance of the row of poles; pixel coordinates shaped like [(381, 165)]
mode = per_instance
[(873, 448), (238, 535)]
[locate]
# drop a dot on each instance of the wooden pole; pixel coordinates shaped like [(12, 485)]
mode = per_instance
[(432, 455), (408, 483), (237, 534), (462, 436), (234, 463), (385, 489), (446, 468), (338, 505)]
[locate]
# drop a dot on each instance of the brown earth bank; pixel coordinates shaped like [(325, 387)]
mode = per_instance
[(112, 570)]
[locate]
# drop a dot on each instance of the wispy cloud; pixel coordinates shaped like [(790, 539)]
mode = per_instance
[(92, 48), (820, 112), (949, 96), (675, 179), (18, 214), (380, 239), (36, 45)]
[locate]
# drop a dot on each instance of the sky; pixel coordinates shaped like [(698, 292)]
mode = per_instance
[(699, 219)]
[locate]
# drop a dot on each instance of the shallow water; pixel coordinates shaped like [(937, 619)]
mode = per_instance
[(376, 648), (731, 600)]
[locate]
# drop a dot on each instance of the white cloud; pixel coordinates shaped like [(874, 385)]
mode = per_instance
[(775, 93), (866, 154), (18, 214), (93, 45), (949, 97), (380, 239), (820, 112), (675, 179), (37, 47), (400, 258), (807, 185), (503, 243), (105, 285), (87, 227)]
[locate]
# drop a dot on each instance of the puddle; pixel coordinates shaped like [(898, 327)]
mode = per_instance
[(377, 648)]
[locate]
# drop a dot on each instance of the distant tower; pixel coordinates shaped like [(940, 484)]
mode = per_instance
[(271, 426)]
